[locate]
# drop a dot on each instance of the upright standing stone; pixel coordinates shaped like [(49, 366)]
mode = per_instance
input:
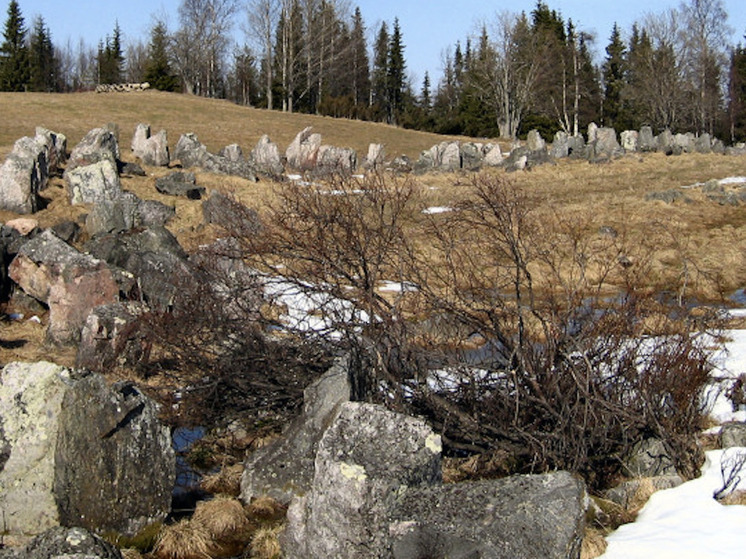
[(303, 152), (23, 174), (630, 141), (266, 157), (646, 140)]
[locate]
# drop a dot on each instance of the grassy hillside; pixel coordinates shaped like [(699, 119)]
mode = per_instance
[(216, 123)]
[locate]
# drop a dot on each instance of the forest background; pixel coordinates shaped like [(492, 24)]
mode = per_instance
[(675, 69)]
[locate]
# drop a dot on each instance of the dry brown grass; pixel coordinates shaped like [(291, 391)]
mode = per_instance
[(184, 540), (266, 509), (594, 543), (737, 497), (131, 554), (265, 544), (223, 517), (226, 481), (216, 122)]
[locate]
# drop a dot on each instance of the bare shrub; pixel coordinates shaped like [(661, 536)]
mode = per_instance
[(214, 344), (731, 468), (579, 360)]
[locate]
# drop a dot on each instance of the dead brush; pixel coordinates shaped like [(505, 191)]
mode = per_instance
[(226, 481), (266, 544), (184, 540)]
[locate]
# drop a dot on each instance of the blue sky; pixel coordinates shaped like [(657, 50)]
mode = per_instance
[(428, 28)]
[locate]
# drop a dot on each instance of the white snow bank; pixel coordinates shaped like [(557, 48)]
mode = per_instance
[(723, 182), (685, 522)]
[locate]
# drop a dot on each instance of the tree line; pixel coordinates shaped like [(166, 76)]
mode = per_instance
[(675, 69)]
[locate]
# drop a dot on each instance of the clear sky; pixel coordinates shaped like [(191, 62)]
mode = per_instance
[(428, 27)]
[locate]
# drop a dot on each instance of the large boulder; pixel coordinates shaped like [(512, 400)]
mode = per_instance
[(377, 493), (630, 140), (335, 160), (649, 458), (71, 283), (534, 141), (285, 468), (23, 174), (180, 184), (646, 141), (303, 151), (228, 212), (605, 145), (521, 517), (56, 146), (190, 151), (69, 543), (151, 150), (97, 145), (493, 155), (266, 157), (471, 156), (232, 152), (365, 459), (126, 212), (94, 183), (703, 143), (666, 143), (152, 255), (560, 145), (77, 452), (522, 158), (375, 158)]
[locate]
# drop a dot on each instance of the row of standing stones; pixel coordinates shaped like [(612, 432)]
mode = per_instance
[(360, 481)]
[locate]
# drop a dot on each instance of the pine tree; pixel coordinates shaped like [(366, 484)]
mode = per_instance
[(395, 82), (42, 61), (14, 65), (158, 71), (614, 75), (378, 93), (360, 63), (425, 97), (737, 94), (110, 58)]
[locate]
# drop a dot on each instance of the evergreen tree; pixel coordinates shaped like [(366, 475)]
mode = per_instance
[(395, 82), (14, 63), (737, 95), (360, 64), (589, 107), (425, 97), (110, 58), (42, 61), (378, 94), (614, 75), (158, 71)]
